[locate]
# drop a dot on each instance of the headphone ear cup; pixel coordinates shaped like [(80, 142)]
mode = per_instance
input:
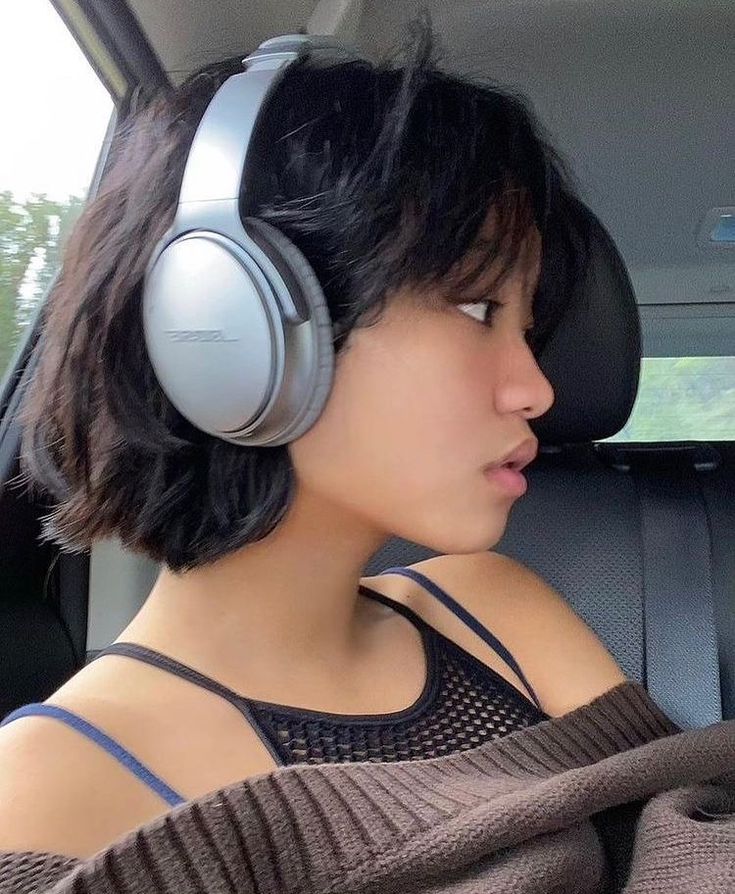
[(222, 338), (308, 297)]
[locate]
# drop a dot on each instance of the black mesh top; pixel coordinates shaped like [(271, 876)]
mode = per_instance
[(464, 703)]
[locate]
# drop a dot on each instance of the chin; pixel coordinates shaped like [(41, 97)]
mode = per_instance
[(498, 525), (485, 536)]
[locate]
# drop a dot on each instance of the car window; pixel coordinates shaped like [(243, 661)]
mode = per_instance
[(683, 399), (55, 115)]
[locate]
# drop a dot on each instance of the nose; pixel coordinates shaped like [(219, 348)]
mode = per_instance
[(523, 388)]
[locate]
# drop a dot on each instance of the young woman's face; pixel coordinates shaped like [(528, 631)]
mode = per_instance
[(422, 402)]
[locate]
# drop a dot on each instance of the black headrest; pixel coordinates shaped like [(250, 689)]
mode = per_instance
[(593, 357)]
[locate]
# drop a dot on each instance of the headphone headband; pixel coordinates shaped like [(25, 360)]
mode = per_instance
[(217, 159)]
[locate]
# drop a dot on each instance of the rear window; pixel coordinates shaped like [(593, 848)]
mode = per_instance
[(683, 399)]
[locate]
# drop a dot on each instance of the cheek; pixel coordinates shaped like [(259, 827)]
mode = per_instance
[(401, 443), (398, 421)]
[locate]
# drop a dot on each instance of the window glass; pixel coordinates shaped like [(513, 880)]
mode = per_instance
[(683, 399), (55, 115)]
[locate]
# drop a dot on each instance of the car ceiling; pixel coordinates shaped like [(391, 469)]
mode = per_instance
[(639, 95)]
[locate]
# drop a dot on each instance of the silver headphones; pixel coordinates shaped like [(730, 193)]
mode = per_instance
[(236, 324)]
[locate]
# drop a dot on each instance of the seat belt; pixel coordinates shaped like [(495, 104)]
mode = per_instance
[(719, 498), (682, 673)]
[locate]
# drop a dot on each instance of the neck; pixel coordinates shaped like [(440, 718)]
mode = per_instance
[(293, 594)]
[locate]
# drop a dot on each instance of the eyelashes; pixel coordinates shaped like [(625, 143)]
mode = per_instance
[(482, 311)]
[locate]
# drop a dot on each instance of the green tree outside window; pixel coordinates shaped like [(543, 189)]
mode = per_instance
[(32, 238)]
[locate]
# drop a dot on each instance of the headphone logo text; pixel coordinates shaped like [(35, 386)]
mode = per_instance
[(198, 335)]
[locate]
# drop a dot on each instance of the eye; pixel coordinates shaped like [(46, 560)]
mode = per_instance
[(483, 311)]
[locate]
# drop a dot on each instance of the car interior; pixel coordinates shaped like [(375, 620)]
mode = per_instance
[(638, 534)]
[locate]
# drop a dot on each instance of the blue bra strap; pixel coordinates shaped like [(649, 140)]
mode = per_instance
[(103, 740), (468, 619)]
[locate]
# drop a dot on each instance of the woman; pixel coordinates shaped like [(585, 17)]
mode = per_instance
[(446, 236)]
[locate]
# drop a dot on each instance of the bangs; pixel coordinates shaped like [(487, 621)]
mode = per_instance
[(488, 160), (472, 253)]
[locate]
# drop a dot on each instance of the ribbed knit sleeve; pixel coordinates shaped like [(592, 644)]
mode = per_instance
[(28, 873)]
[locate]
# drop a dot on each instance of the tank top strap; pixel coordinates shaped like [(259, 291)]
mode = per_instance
[(461, 612), (399, 607), (108, 744), (179, 669)]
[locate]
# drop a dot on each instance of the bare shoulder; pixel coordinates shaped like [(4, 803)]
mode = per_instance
[(565, 661), (58, 794), (62, 793)]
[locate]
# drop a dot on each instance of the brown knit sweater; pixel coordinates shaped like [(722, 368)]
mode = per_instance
[(610, 797)]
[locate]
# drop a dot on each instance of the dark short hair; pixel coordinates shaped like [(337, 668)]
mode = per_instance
[(382, 174)]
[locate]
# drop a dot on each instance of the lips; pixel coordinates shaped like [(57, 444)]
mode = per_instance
[(505, 474), (518, 458)]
